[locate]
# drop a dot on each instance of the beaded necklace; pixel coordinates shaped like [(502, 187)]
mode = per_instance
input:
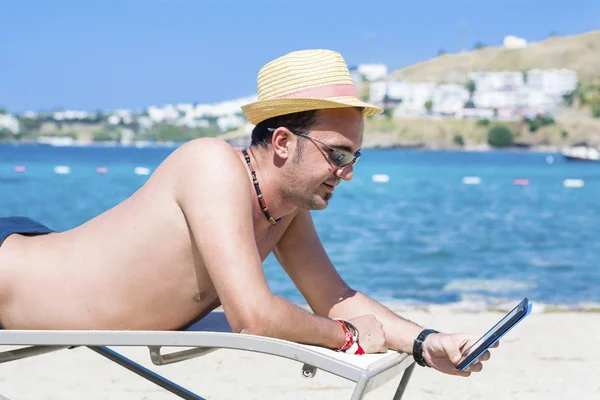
[(261, 199)]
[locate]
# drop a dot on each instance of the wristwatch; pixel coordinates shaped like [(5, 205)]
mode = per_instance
[(418, 347)]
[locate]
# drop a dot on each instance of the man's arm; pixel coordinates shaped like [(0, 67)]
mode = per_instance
[(214, 195), (301, 254)]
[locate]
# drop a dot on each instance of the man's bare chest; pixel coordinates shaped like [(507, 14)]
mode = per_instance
[(267, 238)]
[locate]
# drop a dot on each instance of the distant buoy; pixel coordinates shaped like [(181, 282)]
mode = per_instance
[(19, 169), (573, 183), (62, 169), (549, 159), (141, 171), (471, 180), (521, 182), (101, 170), (380, 178)]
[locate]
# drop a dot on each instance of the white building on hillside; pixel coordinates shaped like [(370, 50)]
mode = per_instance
[(226, 114), (496, 80), (368, 73), (145, 122), (495, 99), (449, 98), (114, 120), (185, 108), (513, 42), (379, 90), (121, 115), (231, 121), (553, 81), (373, 72), (529, 97), (72, 115), (409, 98), (165, 114), (222, 109), (10, 123), (524, 97)]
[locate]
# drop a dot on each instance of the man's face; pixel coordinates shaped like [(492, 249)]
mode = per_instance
[(313, 175)]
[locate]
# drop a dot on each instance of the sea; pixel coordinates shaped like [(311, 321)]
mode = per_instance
[(415, 228)]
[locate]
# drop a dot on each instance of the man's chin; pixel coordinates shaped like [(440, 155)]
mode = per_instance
[(319, 203)]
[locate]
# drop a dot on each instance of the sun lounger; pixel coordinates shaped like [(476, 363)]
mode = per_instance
[(368, 371)]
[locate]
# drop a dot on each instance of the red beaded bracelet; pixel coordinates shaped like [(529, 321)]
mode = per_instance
[(347, 334), (351, 345)]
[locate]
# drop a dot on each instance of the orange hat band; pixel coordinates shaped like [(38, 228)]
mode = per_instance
[(323, 92)]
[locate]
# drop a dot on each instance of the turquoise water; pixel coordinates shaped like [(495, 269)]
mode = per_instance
[(422, 237)]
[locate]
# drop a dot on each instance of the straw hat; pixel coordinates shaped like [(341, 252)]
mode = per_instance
[(304, 80)]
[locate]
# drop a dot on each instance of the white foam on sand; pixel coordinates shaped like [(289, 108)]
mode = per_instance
[(488, 285)]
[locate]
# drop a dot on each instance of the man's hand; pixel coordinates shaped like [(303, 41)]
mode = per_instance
[(370, 334), (443, 352)]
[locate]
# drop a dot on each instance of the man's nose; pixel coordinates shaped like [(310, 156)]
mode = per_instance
[(346, 172)]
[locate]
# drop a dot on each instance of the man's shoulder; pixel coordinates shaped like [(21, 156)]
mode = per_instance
[(206, 155), (208, 160), (205, 147)]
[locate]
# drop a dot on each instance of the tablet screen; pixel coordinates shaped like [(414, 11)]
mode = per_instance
[(493, 330)]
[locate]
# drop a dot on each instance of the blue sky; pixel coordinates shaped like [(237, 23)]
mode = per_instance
[(91, 55)]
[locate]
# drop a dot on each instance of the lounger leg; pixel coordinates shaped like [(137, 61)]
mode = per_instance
[(146, 373), (404, 381), (164, 359), (360, 388), (25, 352)]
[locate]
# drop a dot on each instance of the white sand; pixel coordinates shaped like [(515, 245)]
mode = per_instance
[(549, 356)]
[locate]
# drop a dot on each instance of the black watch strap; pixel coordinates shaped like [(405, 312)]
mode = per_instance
[(418, 347)]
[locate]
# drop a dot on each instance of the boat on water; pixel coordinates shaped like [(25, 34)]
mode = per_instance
[(581, 152)]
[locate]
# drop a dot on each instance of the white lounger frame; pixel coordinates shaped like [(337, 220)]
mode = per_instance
[(212, 333)]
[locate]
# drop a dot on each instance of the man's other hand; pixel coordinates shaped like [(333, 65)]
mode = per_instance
[(443, 352), (370, 334)]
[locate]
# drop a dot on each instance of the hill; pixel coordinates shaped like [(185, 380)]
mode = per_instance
[(579, 52)]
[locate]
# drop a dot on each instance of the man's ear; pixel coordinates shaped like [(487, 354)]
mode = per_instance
[(283, 143)]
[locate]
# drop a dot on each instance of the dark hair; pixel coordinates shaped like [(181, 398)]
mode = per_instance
[(298, 122)]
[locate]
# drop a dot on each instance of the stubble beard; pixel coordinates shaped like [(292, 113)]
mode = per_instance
[(307, 199), (315, 202)]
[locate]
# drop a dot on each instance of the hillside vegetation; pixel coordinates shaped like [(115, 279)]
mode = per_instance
[(580, 53)]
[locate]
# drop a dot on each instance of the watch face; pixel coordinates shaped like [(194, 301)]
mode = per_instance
[(418, 347)]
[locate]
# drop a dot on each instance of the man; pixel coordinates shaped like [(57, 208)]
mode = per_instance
[(193, 237)]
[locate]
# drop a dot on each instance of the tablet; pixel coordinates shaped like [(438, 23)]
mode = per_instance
[(511, 319)]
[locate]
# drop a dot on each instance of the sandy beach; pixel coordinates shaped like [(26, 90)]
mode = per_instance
[(551, 355)]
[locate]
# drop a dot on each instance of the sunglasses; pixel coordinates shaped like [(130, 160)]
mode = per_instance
[(338, 157)]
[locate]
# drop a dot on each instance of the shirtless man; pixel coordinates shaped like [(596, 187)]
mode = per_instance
[(194, 236)]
